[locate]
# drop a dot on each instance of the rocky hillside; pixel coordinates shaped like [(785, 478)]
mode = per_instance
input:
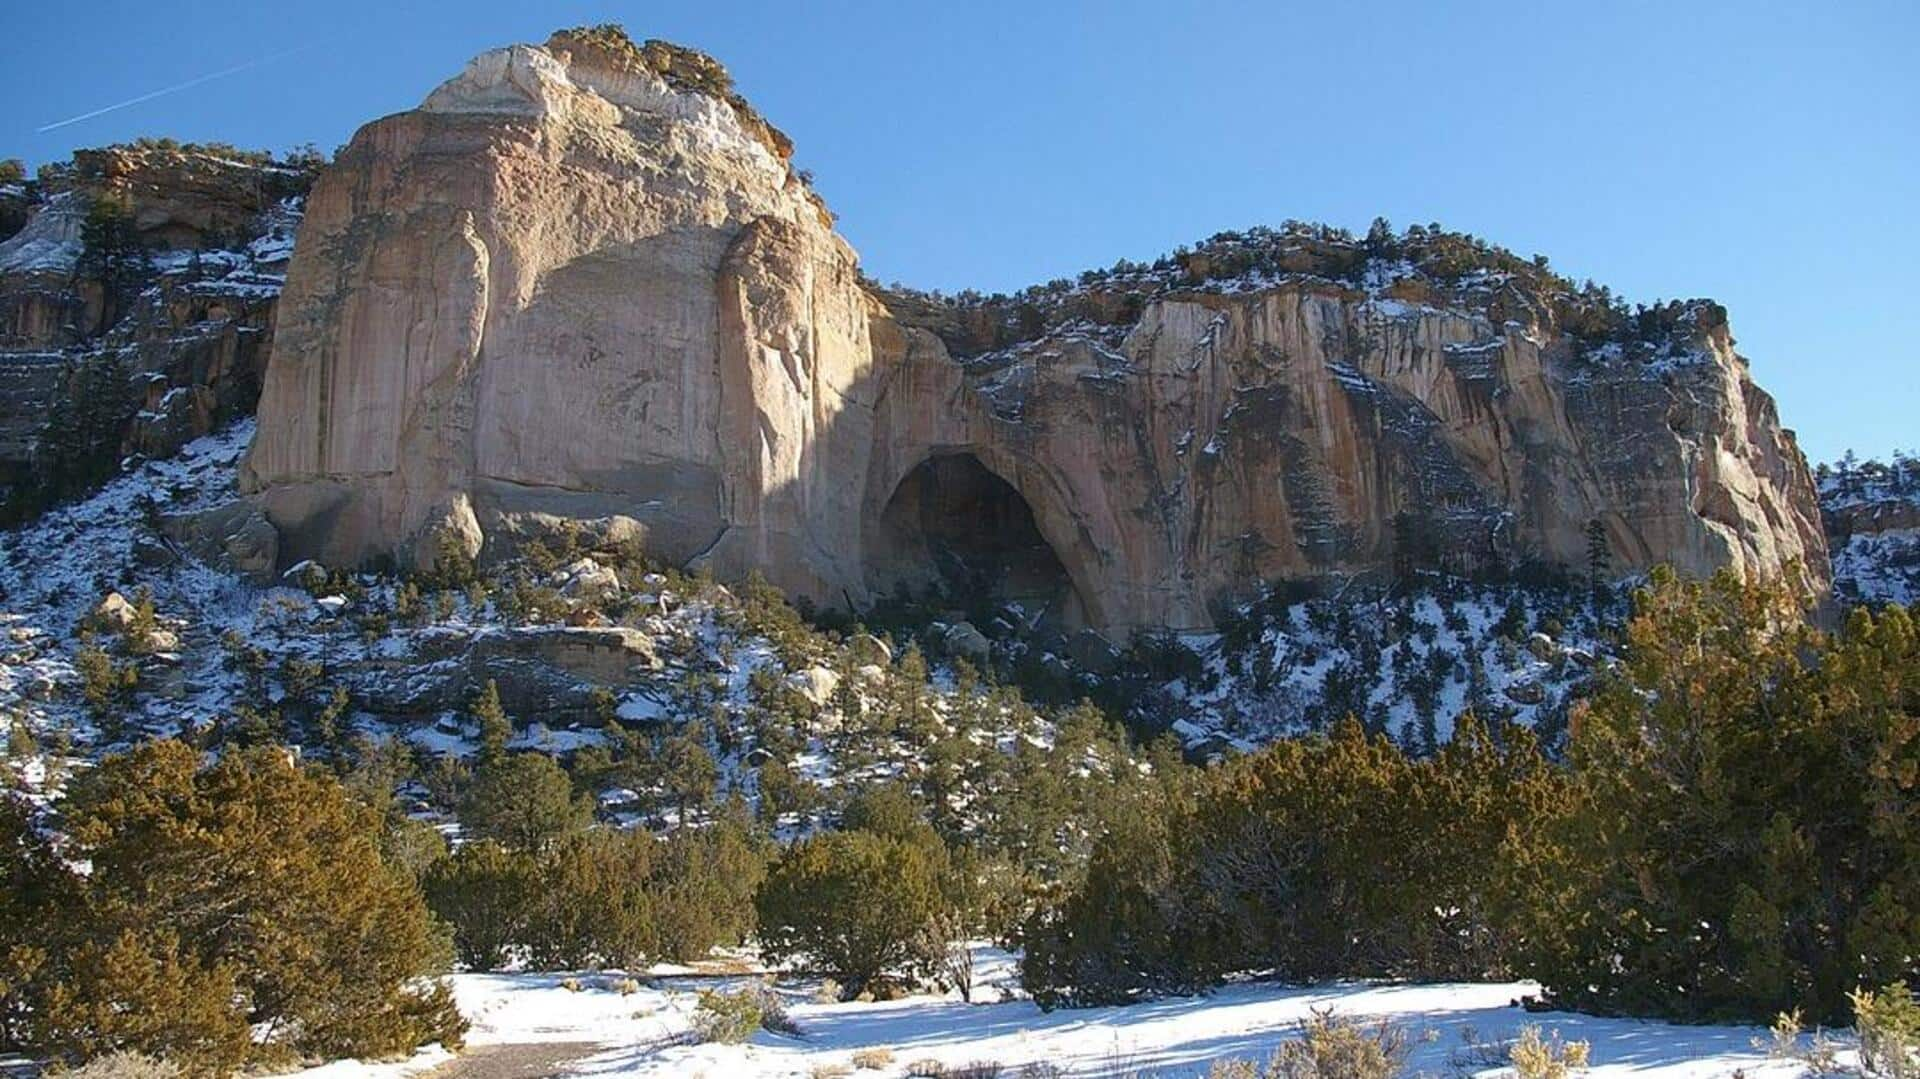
[(1872, 514), (150, 609), (137, 286), (581, 284)]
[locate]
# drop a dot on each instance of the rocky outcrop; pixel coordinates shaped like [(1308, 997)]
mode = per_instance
[(235, 535), (1872, 515), (136, 306), (582, 284)]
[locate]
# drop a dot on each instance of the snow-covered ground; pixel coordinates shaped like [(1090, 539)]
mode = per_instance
[(637, 1035)]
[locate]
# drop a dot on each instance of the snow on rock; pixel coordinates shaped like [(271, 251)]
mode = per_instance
[(50, 242), (1872, 514)]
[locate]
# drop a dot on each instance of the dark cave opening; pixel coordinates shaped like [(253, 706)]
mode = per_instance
[(956, 530)]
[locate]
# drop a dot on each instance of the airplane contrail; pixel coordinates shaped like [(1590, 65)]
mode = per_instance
[(189, 84)]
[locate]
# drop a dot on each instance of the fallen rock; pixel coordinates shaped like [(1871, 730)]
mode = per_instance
[(114, 613), (1543, 647), (152, 553), (235, 535), (1092, 653), (587, 581)]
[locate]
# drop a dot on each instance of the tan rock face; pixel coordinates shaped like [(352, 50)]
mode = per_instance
[(1218, 441), (563, 289), (582, 284)]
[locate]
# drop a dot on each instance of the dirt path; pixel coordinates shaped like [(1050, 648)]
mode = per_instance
[(538, 1060)]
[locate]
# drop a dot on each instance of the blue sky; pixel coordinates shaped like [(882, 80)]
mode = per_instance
[(1767, 155)]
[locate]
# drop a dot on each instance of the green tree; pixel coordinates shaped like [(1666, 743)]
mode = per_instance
[(111, 251), (487, 893), (688, 769), (1752, 838), (496, 730), (1599, 562), (854, 905), (248, 872), (106, 686), (594, 909), (40, 901), (523, 801), (1315, 858), (1125, 931), (702, 885), (145, 991)]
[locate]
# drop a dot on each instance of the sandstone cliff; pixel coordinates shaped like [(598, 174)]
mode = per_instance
[(582, 284), (136, 306), (577, 283), (1182, 435)]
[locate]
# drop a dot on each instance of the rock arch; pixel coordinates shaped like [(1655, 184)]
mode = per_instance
[(952, 521)]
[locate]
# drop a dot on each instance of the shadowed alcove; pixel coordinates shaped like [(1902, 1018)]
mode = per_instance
[(955, 529)]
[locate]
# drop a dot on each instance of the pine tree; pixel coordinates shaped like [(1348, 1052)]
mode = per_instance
[(855, 905), (592, 909), (145, 991), (688, 769), (496, 730), (1599, 563), (703, 883), (487, 893), (248, 885), (1760, 836), (1380, 239), (523, 801)]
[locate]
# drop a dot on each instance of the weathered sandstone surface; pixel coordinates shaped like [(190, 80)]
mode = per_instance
[(581, 283)]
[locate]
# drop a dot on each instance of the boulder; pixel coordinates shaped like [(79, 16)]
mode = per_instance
[(235, 535), (1092, 653), (549, 671), (962, 639), (816, 684), (1527, 692), (114, 613), (611, 656), (587, 581), (1543, 647)]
